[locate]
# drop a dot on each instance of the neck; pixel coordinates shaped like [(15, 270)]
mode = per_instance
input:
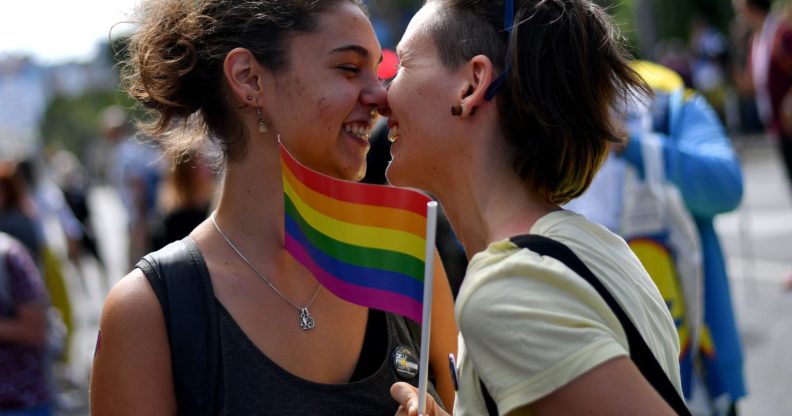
[(250, 209), (489, 202)]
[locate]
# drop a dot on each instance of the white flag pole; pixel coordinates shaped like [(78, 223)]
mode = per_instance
[(423, 370)]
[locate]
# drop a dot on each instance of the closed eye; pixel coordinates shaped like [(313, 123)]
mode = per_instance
[(349, 68)]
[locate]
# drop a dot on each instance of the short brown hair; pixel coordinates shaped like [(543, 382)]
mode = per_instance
[(568, 79), (175, 64)]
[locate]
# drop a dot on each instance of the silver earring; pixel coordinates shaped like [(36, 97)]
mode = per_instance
[(262, 127)]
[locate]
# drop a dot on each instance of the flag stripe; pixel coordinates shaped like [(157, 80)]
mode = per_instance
[(356, 275), (359, 193), (369, 215), (359, 256), (359, 235), (374, 298)]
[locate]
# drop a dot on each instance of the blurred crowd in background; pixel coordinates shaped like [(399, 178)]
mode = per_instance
[(68, 140)]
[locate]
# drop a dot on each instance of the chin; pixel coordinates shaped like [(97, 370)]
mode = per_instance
[(358, 176), (352, 172), (394, 175)]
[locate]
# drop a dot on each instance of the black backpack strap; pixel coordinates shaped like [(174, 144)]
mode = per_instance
[(492, 408), (639, 352), (180, 279)]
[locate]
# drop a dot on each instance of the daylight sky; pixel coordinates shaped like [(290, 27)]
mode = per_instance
[(54, 31)]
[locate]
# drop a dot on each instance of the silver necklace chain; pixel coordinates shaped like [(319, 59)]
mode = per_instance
[(306, 319)]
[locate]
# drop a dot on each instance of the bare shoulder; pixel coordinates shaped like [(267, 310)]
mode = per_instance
[(130, 300), (132, 367)]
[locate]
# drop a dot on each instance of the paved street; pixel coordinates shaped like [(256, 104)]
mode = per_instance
[(757, 240), (88, 291)]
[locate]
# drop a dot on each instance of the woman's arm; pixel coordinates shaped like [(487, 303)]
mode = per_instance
[(444, 334), (615, 387), (131, 372), (22, 287), (27, 327)]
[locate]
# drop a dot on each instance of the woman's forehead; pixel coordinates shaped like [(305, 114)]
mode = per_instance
[(345, 28), (416, 35)]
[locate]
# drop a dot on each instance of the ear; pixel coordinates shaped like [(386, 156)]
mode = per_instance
[(244, 76), (478, 73)]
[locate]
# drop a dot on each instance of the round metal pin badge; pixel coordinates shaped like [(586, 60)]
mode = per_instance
[(404, 362)]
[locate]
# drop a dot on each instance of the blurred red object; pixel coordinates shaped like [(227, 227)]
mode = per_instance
[(389, 65)]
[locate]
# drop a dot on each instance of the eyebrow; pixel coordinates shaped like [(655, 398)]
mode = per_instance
[(356, 49)]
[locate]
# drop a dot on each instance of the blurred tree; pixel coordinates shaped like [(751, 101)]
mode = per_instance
[(665, 19), (72, 121), (674, 16), (645, 22)]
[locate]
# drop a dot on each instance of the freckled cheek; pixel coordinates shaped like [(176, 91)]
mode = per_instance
[(335, 106), (322, 105), (323, 115)]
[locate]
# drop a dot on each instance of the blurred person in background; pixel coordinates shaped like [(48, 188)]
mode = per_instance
[(17, 216), (769, 75), (700, 161), (25, 388), (769, 72), (72, 179), (59, 233), (184, 198), (135, 173), (58, 227), (709, 50), (21, 217), (673, 53)]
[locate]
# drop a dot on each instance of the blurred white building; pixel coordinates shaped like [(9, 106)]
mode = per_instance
[(26, 88)]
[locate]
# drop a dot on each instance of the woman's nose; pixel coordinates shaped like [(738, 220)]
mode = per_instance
[(375, 94)]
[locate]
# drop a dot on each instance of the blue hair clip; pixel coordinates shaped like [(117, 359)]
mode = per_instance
[(508, 22), (508, 15)]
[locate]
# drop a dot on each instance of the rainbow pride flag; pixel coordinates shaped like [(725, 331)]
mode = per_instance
[(365, 243)]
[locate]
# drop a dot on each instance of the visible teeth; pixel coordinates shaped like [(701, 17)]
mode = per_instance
[(361, 130), (393, 133)]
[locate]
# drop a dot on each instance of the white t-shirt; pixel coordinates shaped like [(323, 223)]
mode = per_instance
[(529, 324)]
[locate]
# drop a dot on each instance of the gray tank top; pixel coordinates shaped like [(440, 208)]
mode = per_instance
[(252, 384)]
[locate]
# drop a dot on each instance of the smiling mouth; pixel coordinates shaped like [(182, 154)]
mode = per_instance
[(393, 133), (361, 130)]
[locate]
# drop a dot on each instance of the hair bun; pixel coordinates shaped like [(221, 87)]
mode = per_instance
[(164, 59)]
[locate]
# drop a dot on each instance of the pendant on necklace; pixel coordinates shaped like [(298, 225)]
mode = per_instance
[(306, 320)]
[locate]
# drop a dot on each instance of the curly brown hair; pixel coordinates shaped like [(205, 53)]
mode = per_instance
[(175, 62), (567, 83)]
